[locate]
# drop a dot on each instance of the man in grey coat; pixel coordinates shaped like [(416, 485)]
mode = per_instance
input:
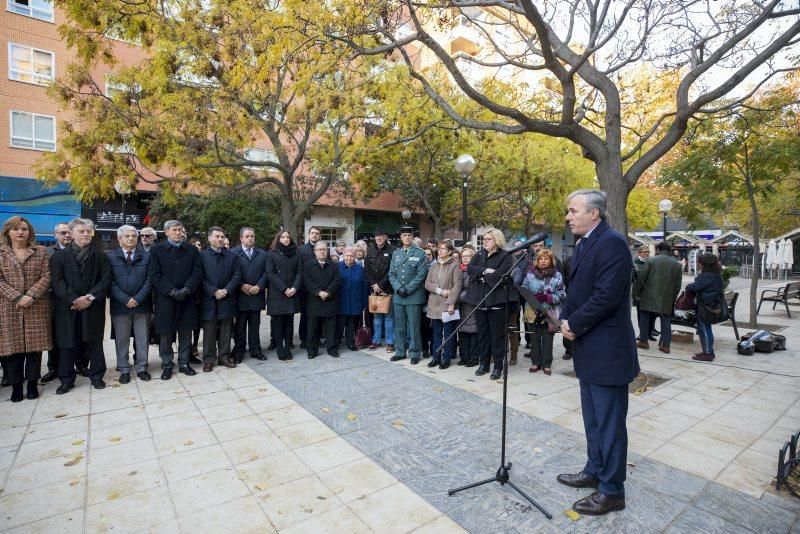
[(657, 286)]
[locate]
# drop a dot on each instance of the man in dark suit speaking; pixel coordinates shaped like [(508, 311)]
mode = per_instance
[(597, 318)]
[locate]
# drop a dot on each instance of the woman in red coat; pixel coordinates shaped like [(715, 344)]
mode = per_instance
[(24, 306)]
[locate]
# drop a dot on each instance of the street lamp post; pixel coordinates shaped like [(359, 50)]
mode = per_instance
[(123, 188), (664, 206), (465, 164)]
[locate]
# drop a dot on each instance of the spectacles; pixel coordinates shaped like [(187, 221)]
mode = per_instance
[(62, 233), (488, 239), (147, 236)]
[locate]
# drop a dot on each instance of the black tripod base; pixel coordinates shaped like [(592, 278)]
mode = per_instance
[(502, 476)]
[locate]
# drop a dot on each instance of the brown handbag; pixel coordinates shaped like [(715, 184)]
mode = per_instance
[(379, 303)]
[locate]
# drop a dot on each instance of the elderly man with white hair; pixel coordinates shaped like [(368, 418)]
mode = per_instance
[(131, 302)]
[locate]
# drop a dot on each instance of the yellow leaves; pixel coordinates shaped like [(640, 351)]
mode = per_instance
[(352, 417), (75, 461), (188, 442), (572, 514), (325, 409), (398, 424), (78, 442), (60, 415), (261, 486), (74, 482), (114, 495), (115, 439)]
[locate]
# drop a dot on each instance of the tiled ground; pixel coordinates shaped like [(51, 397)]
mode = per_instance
[(360, 444)]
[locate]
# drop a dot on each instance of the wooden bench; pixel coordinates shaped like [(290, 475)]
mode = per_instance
[(782, 296), (731, 297)]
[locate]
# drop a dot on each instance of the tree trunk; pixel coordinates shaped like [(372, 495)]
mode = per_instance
[(612, 181), (437, 228)]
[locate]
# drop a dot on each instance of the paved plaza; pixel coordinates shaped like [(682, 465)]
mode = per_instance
[(359, 444)]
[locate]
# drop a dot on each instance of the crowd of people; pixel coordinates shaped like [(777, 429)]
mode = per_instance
[(441, 304)]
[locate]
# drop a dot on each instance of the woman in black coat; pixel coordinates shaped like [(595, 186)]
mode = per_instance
[(485, 270), (708, 288), (285, 278)]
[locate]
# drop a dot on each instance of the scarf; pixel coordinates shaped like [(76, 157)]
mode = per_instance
[(544, 273), (287, 250), (82, 254)]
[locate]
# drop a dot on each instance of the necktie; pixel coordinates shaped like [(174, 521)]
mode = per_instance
[(128, 258), (249, 253)]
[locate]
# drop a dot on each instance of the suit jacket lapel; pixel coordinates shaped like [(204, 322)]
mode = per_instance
[(587, 246)]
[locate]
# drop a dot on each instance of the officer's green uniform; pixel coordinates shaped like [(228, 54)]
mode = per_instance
[(408, 270)]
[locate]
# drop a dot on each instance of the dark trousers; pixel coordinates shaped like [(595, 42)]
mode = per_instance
[(491, 332), (468, 346), (303, 327), (217, 340), (246, 332), (604, 411), (195, 340), (184, 349), (23, 366), (426, 331), (647, 320), (346, 328), (542, 346), (92, 351), (442, 331), (282, 330), (328, 329)]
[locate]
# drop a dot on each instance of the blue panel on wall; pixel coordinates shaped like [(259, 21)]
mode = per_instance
[(41, 205)]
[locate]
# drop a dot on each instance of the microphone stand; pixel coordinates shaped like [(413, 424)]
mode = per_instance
[(502, 475)]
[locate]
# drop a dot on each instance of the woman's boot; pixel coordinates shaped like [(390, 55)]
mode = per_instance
[(16, 392), (33, 390)]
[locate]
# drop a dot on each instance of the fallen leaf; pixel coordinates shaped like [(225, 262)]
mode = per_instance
[(631, 464), (60, 415), (321, 498), (133, 473), (470, 380), (325, 410), (261, 486), (537, 449), (254, 457), (79, 442), (244, 475), (533, 394), (262, 390), (352, 416), (115, 385), (74, 482), (112, 496), (242, 400), (438, 389), (74, 461), (572, 514), (398, 424), (114, 439), (723, 388), (189, 442)]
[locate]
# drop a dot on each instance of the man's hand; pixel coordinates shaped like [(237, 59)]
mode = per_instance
[(376, 289), (323, 295), (402, 292), (220, 294), (81, 303), (254, 290), (290, 292), (179, 294), (132, 303), (567, 333), (25, 301), (488, 271), (246, 289)]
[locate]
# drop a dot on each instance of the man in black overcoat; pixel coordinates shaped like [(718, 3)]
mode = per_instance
[(175, 273), (252, 292), (306, 251), (221, 280), (81, 278), (322, 280), (63, 240)]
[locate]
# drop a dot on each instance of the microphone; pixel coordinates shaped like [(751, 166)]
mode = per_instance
[(541, 236)]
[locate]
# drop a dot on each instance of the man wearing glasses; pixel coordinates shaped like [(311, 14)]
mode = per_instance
[(148, 237)]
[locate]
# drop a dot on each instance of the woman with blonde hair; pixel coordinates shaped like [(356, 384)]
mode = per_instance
[(25, 329), (547, 286), (485, 270)]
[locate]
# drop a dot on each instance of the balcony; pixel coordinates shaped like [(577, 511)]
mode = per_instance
[(464, 37)]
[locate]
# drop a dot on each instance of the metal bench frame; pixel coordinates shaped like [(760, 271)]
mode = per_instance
[(780, 296), (731, 297)]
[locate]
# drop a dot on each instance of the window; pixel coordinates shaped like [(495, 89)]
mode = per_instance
[(32, 131), (480, 241), (134, 94), (329, 236), (39, 9), (30, 65), (259, 154)]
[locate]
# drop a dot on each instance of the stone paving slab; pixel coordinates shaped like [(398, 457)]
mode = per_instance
[(433, 436)]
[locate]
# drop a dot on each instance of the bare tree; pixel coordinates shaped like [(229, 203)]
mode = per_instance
[(720, 53)]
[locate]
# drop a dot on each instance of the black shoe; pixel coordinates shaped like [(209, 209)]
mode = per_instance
[(311, 355), (599, 504), (16, 392), (461, 362), (288, 355), (334, 354), (425, 354), (495, 374), (98, 384), (352, 348), (187, 370), (272, 345), (578, 480), (653, 338), (143, 376), (49, 377), (124, 378), (33, 390), (195, 360), (238, 358), (258, 356), (166, 374), (433, 363), (414, 361), (444, 365), (397, 358), (64, 388), (291, 345), (470, 363), (83, 371), (481, 370)]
